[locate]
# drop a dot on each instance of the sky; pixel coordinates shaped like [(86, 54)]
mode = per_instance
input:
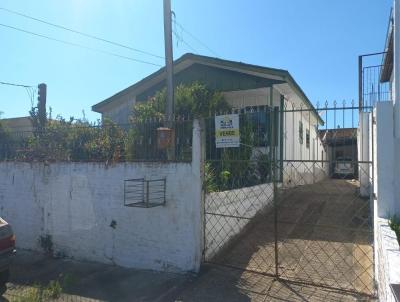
[(317, 41)]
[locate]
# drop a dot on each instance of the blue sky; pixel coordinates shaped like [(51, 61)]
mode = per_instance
[(318, 41)]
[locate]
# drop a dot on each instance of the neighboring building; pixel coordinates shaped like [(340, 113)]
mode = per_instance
[(18, 124), (340, 144), (387, 70)]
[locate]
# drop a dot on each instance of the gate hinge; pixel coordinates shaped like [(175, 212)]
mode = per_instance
[(373, 120)]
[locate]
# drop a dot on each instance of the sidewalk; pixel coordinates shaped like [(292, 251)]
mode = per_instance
[(99, 282)]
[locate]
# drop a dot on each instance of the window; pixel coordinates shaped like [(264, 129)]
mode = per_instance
[(307, 138), (257, 119), (301, 134)]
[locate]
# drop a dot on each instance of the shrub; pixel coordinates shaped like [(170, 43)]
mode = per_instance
[(7, 143), (195, 100), (394, 224)]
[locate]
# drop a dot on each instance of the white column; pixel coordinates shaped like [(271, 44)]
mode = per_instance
[(198, 157), (363, 141), (384, 160)]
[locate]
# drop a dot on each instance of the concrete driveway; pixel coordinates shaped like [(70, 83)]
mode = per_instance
[(98, 282), (88, 281)]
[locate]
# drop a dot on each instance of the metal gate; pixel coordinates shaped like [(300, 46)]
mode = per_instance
[(293, 200)]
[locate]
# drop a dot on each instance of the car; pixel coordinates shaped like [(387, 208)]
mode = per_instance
[(344, 167), (7, 250)]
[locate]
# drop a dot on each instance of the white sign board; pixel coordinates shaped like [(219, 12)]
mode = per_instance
[(227, 131)]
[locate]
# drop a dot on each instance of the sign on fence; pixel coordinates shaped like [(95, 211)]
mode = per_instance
[(227, 133)]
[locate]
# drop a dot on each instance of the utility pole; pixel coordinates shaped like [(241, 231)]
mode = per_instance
[(169, 61), (42, 96)]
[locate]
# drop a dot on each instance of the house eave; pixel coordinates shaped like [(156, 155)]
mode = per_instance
[(188, 59), (387, 62)]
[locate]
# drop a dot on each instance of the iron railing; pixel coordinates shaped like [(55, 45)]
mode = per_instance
[(300, 213), (62, 141)]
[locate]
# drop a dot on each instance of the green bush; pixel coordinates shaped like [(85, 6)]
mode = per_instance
[(194, 100), (394, 224), (7, 143)]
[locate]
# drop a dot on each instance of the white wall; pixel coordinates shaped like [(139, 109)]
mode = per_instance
[(252, 97), (387, 260), (384, 159), (240, 203), (121, 113), (364, 136), (75, 203), (296, 170), (396, 68)]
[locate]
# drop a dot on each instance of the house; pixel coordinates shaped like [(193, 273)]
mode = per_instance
[(385, 141), (387, 70), (246, 88)]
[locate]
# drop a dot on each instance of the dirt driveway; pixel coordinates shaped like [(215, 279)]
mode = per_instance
[(324, 237)]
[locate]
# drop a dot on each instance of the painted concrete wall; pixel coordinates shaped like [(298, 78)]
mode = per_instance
[(252, 97), (387, 178), (384, 149), (364, 137), (396, 69), (297, 170), (121, 113), (387, 260), (234, 205), (76, 203)]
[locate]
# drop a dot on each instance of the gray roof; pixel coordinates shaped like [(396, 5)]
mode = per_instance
[(188, 59)]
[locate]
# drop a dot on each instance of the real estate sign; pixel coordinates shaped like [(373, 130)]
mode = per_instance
[(227, 133)]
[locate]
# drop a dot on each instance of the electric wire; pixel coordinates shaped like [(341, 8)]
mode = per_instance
[(80, 45), (82, 33), (195, 38), (16, 85)]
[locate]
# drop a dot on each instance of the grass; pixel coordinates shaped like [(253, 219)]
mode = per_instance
[(51, 292), (394, 224), (38, 293)]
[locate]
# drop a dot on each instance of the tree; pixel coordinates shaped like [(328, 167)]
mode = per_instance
[(194, 100)]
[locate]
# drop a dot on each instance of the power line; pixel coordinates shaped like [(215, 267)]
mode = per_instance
[(195, 38), (16, 85), (179, 38), (82, 33), (30, 90), (80, 46)]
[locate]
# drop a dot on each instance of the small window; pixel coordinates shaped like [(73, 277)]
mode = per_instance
[(301, 134), (307, 138)]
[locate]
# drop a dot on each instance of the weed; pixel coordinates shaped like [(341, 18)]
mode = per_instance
[(39, 293), (46, 242), (394, 224)]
